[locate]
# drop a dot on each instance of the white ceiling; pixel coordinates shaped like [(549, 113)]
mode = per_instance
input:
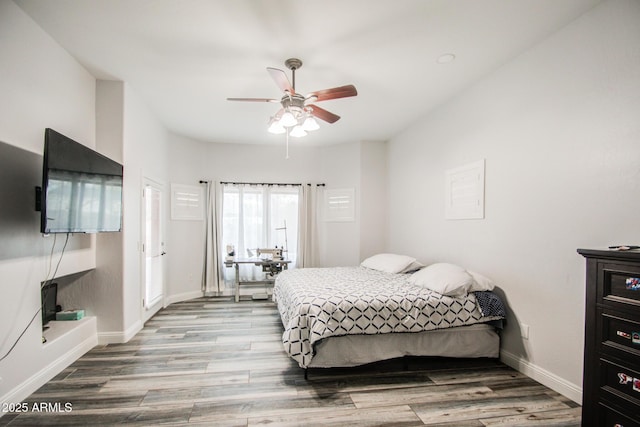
[(185, 57)]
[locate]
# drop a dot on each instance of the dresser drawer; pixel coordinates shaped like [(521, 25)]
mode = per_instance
[(611, 376), (621, 381), (620, 333), (612, 418), (621, 286)]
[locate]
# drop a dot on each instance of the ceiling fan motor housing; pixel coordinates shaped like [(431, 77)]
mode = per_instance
[(293, 63), (293, 102)]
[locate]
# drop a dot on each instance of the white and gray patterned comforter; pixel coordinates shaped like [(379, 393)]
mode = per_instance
[(316, 303)]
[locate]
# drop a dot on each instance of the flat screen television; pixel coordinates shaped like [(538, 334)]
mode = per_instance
[(81, 189)]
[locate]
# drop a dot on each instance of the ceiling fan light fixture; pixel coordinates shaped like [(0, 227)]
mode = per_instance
[(288, 119), (310, 124), (275, 127), (298, 132)]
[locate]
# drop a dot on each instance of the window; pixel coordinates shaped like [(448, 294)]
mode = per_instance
[(260, 216)]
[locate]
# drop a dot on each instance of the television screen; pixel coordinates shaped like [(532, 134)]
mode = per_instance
[(81, 189)]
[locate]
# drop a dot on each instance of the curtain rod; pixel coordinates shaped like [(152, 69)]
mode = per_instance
[(259, 183)]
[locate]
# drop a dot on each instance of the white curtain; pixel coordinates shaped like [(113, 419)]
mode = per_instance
[(259, 216), (211, 274), (308, 226)]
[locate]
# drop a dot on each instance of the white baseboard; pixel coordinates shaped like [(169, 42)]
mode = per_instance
[(119, 337), (40, 378), (543, 376), (182, 297)]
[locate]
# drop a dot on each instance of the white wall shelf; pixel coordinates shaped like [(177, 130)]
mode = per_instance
[(77, 330)]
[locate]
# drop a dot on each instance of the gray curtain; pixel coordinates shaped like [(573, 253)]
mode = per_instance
[(308, 226), (211, 274)]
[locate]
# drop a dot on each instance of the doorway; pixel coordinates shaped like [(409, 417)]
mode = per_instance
[(152, 248)]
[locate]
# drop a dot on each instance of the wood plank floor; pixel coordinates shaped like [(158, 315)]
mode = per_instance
[(213, 362)]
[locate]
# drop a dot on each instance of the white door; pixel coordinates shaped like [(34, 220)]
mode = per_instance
[(153, 247)]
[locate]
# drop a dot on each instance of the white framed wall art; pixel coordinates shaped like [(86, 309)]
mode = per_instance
[(464, 197)]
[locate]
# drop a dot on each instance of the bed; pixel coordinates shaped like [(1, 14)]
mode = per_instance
[(349, 316)]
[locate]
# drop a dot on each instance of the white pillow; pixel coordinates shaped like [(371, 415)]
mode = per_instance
[(390, 263), (481, 283), (444, 278)]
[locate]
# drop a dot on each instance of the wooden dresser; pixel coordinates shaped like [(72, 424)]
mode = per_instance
[(611, 382)]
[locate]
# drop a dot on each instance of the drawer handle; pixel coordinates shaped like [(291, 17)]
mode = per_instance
[(632, 283), (623, 334), (633, 336), (626, 379)]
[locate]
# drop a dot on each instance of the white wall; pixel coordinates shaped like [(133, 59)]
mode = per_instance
[(108, 298), (145, 152), (559, 129), (185, 239), (374, 198), (41, 86), (340, 241)]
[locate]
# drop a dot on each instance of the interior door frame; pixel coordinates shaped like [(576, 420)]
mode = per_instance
[(148, 312)]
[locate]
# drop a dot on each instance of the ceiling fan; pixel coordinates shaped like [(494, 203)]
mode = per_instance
[(298, 111)]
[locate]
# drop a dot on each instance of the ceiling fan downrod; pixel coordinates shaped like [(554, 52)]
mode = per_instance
[(293, 64)]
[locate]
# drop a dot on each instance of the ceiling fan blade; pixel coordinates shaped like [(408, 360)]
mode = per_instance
[(281, 79), (323, 114), (333, 93), (253, 99)]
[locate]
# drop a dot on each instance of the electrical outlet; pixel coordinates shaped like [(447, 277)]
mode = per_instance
[(524, 331)]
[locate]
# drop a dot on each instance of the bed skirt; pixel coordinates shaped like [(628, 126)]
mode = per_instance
[(478, 340)]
